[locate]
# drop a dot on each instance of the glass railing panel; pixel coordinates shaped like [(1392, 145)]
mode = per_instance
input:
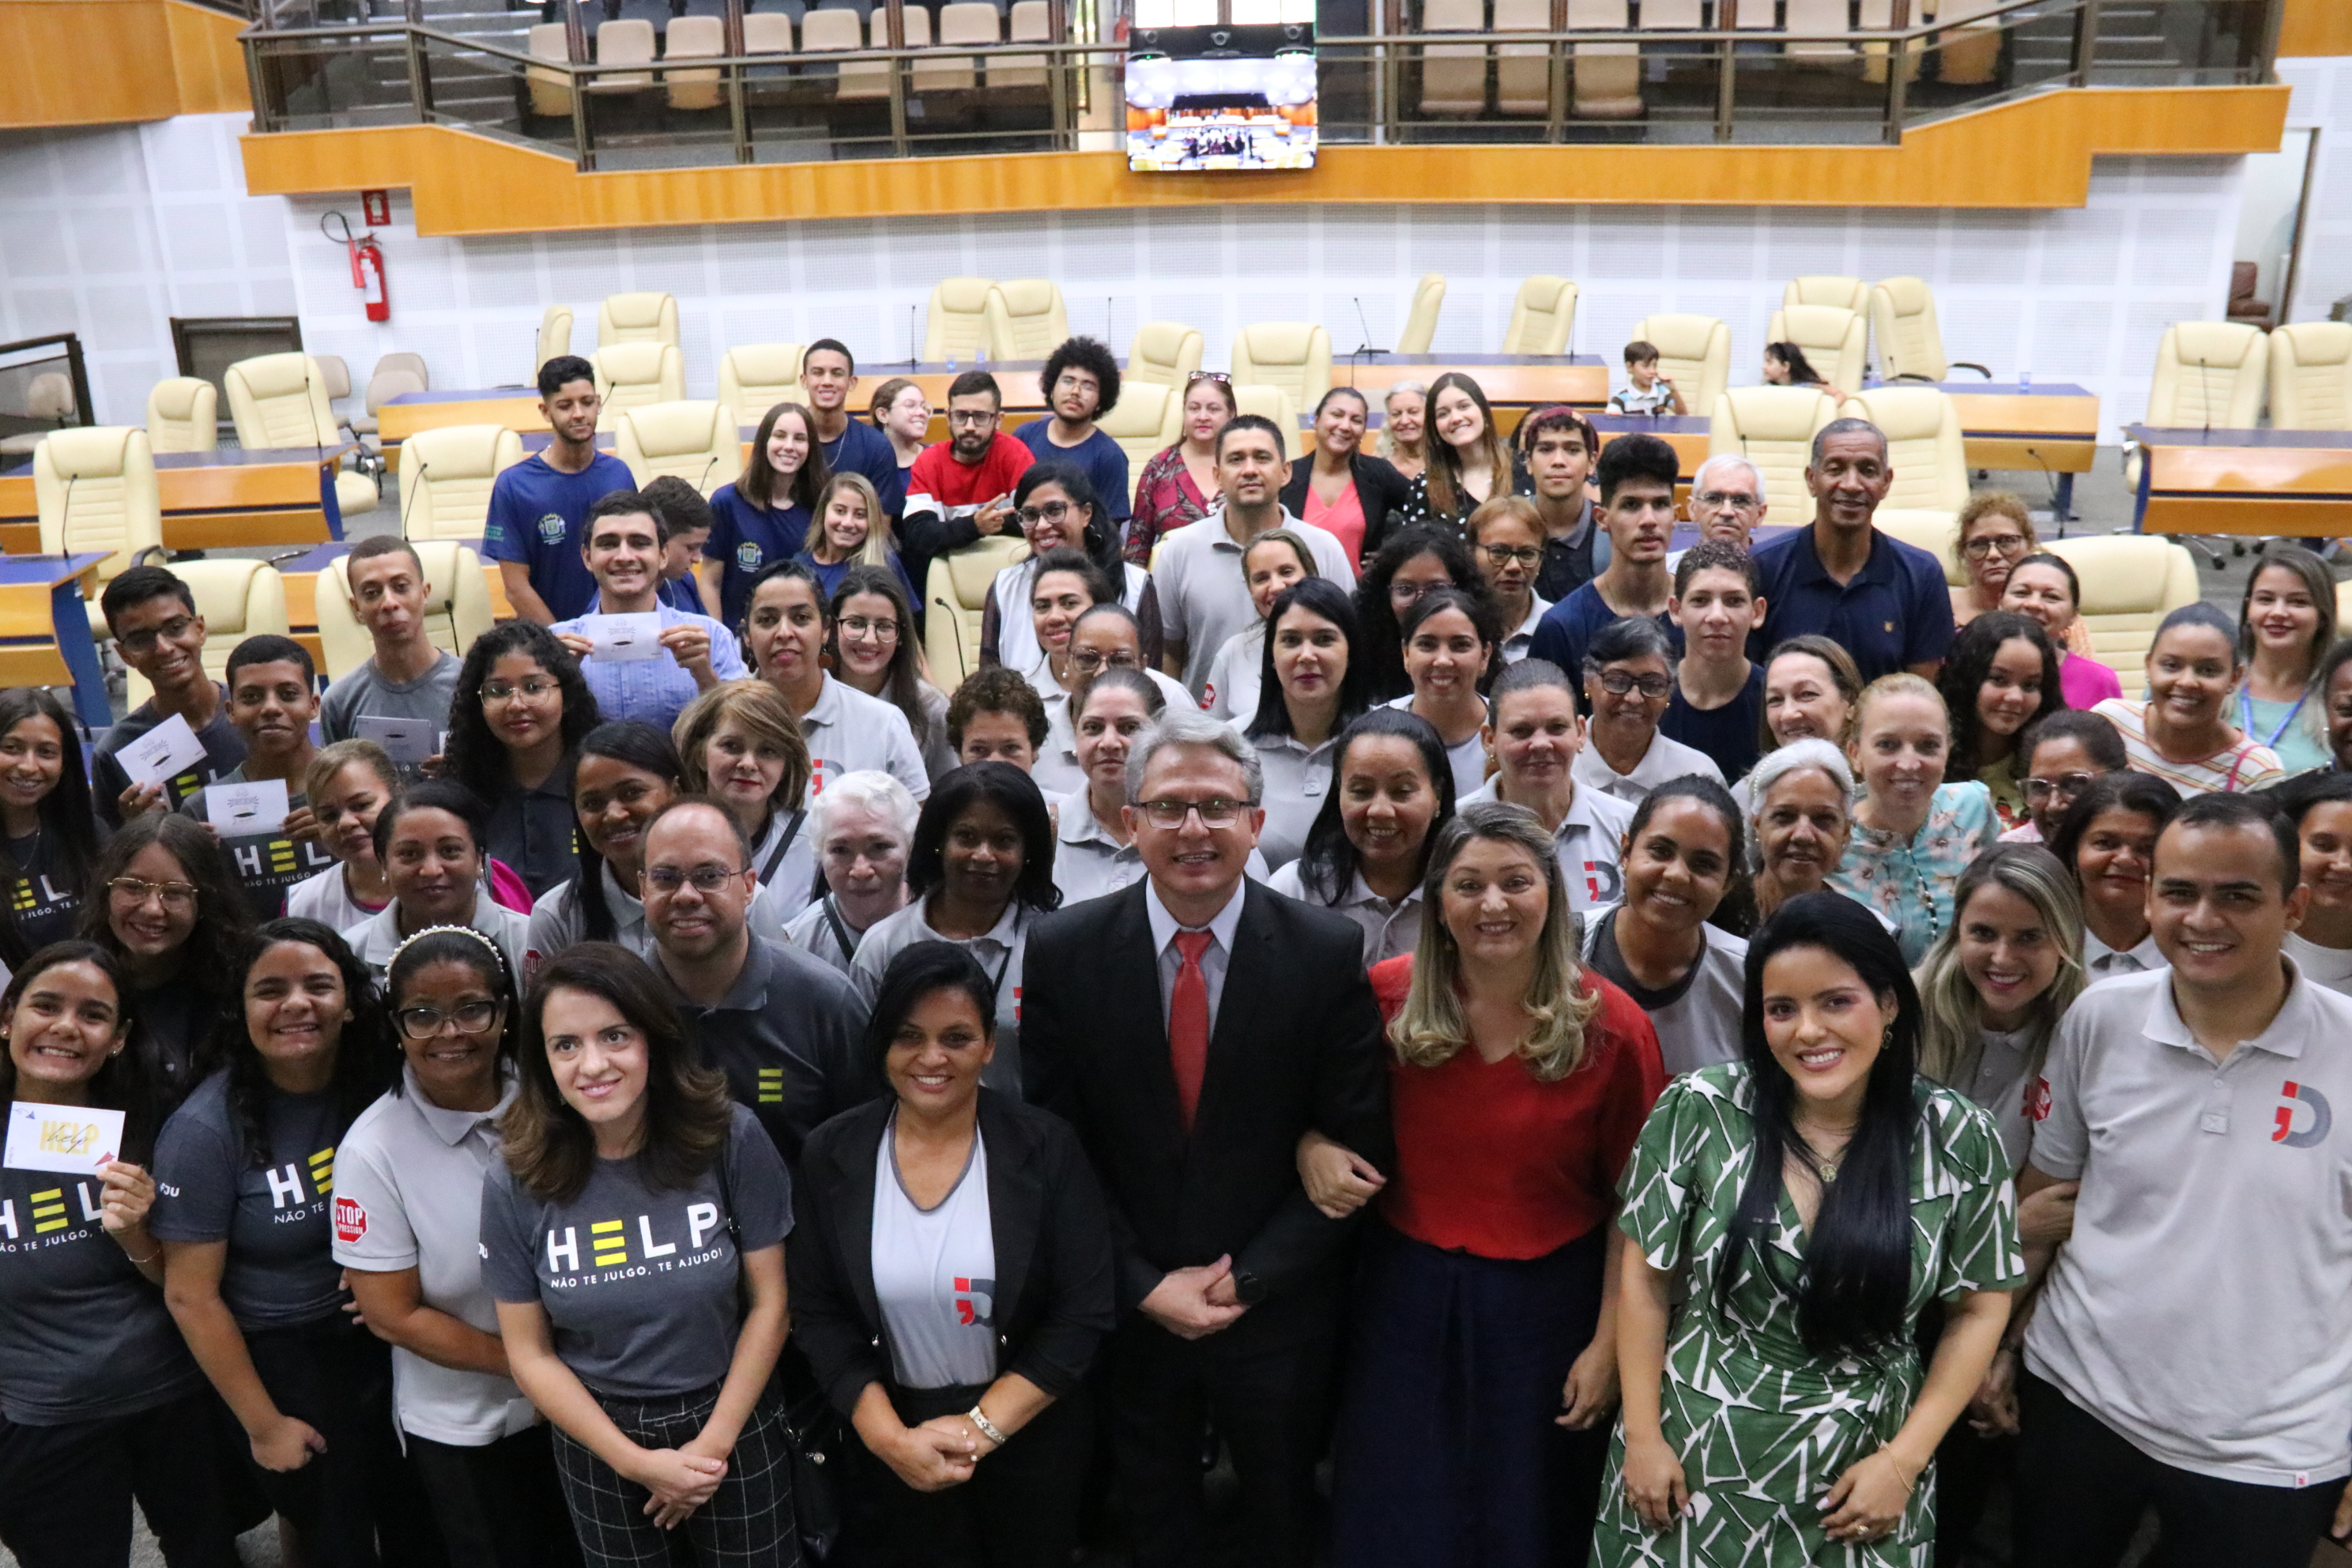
[(325, 82), (1831, 89), (2173, 43), (493, 92), (1991, 56)]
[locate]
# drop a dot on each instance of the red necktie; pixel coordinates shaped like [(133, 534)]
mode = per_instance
[(1187, 1023)]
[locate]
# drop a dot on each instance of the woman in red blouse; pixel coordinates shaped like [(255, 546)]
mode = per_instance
[(1518, 1085), (1180, 484)]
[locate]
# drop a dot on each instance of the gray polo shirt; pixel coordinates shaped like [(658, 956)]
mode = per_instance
[(1297, 778), (812, 932), (2329, 966), (1203, 597), (1589, 839), (1000, 953), (848, 731), (2200, 1308), (1390, 929), (1468, 756), (408, 1194), (364, 692), (1666, 759), (2101, 962), (790, 1038), (1696, 1018), (376, 939), (557, 920)]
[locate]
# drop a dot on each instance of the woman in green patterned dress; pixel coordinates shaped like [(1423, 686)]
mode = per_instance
[(1814, 1197)]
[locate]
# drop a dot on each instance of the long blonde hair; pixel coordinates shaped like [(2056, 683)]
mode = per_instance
[(1951, 1039), (1431, 1028), (880, 543)]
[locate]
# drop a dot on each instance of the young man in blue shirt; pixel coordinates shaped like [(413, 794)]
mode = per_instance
[(1080, 382), (1637, 507), (623, 544), (537, 506), (829, 374)]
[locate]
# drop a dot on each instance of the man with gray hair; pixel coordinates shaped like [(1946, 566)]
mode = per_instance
[(1230, 1282), (1726, 498), (1882, 600)]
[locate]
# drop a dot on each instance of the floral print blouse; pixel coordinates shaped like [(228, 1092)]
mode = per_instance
[(1166, 499), (1911, 882)]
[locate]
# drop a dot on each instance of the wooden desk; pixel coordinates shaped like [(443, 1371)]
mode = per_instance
[(45, 630), (2291, 483), (1509, 380), (1686, 434), (214, 500), (515, 407), (2054, 428)]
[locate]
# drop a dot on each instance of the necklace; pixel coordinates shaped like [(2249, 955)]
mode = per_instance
[(1824, 1166)]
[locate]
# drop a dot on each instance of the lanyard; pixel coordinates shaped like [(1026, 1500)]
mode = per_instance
[(776, 856), (2246, 716), (840, 929)]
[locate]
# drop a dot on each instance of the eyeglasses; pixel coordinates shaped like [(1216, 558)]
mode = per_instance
[(882, 630), (1989, 543), (468, 1019), (976, 418), (1737, 500), (498, 693), (1405, 594), (1505, 554), (177, 897), (1088, 660), (1616, 682), (2067, 785), (143, 642), (1052, 511), (667, 880), (1214, 813)]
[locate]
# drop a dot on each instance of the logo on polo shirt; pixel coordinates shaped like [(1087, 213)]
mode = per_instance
[(550, 527), (975, 1301), (747, 556), (2322, 1119), (2037, 1099), (1604, 882)]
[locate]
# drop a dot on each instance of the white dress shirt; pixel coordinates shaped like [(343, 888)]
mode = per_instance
[(1215, 961)]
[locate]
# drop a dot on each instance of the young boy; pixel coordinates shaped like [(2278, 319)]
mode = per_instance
[(272, 697), (1649, 393), (1718, 705), (688, 518), (153, 615)]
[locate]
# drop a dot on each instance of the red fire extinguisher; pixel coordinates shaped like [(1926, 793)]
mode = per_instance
[(367, 264)]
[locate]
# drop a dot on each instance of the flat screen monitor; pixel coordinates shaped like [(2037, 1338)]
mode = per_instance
[(1239, 96)]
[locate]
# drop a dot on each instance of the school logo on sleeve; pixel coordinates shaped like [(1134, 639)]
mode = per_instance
[(2037, 1099), (350, 1220), (551, 528), (2314, 1129)]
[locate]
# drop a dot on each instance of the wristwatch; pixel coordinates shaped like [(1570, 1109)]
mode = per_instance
[(1248, 1289)]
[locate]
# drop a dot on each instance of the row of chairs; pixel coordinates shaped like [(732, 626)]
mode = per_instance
[(829, 31)]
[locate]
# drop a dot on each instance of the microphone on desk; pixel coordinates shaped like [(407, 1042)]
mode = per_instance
[(706, 472), (1364, 322), (913, 341), (955, 626), (409, 501)]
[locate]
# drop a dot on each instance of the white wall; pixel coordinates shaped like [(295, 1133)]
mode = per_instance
[(2071, 295), (2321, 100), (2271, 188)]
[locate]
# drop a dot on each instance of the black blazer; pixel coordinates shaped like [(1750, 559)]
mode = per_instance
[(1378, 487), (1052, 1302), (1297, 1044)]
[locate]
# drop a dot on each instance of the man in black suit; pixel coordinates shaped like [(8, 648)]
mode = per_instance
[(1193, 1027)]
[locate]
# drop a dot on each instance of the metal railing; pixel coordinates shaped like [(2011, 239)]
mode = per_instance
[(1656, 86)]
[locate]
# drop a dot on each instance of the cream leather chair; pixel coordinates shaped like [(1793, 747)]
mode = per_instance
[(395, 376), (1605, 81), (834, 29), (2311, 376), (1924, 447), (2209, 374), (1032, 23), (1523, 72), (1149, 417), (445, 476), (693, 37), (695, 440), (2130, 582), (554, 335), (1295, 356), (645, 318), (968, 22), (1695, 351), (623, 43), (183, 416), (631, 375), (1025, 319), (1823, 288), (1421, 320), (957, 323), (280, 401), (1833, 337), (1910, 341), (957, 592), (94, 489), (1772, 427), (551, 90), (755, 378), (458, 610), (238, 599), (1452, 76), (767, 33), (1273, 402), (1937, 533), (1543, 317)]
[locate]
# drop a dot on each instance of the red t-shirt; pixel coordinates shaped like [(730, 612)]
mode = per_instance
[(1492, 1162), (938, 483)]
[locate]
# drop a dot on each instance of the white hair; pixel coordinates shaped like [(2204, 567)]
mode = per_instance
[(1728, 460), (873, 790), (1812, 752), (1180, 726)]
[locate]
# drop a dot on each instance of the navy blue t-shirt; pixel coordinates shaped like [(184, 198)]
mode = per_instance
[(1567, 628), (536, 513), (1896, 612), (1103, 459), (863, 449), (1729, 733), (745, 540)]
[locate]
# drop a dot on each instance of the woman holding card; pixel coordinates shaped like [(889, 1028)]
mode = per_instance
[(98, 1400), (49, 833)]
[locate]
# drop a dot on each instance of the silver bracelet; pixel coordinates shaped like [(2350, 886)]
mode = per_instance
[(987, 1428)]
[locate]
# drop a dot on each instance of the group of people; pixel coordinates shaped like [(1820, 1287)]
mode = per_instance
[(1728, 1055)]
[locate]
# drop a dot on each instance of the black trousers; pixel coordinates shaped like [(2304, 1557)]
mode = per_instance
[(65, 1491), (1265, 1382), (358, 1504), (1020, 1509), (499, 1505), (2081, 1488)]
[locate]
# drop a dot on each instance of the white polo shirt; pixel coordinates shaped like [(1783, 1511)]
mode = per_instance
[(2200, 1307), (1666, 759), (1389, 927), (408, 1194), (376, 939), (2101, 962), (1234, 676), (1590, 838), (2329, 966), (847, 731), (1516, 645), (1205, 599), (1297, 777)]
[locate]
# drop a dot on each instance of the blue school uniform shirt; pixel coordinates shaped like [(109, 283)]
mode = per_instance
[(863, 449), (745, 540), (1103, 460), (1566, 629), (829, 577), (536, 515), (1896, 612)]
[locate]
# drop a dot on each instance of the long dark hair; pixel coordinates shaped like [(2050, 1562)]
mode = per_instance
[(209, 961), (476, 758), (1326, 865), (639, 745), (367, 1061), (758, 483), (1012, 792), (1709, 792), (69, 825), (549, 1147), (1382, 648), (1963, 676), (918, 971), (465, 946), (120, 1083), (902, 684), (1800, 369), (1320, 597), (1098, 539), (1443, 475), (1856, 1281)]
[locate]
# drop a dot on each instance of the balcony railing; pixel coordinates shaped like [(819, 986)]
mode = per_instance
[(1656, 86)]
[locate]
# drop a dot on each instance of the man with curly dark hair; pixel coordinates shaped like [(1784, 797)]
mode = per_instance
[(1080, 382)]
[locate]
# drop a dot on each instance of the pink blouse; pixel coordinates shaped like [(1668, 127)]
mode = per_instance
[(1344, 517)]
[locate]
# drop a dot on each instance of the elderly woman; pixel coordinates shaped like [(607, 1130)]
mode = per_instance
[(1799, 818), (1628, 681), (863, 827)]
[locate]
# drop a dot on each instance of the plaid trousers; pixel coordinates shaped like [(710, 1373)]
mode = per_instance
[(749, 1520)]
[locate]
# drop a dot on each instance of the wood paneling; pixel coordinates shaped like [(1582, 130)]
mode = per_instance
[(102, 62), (2033, 153), (2316, 27)]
